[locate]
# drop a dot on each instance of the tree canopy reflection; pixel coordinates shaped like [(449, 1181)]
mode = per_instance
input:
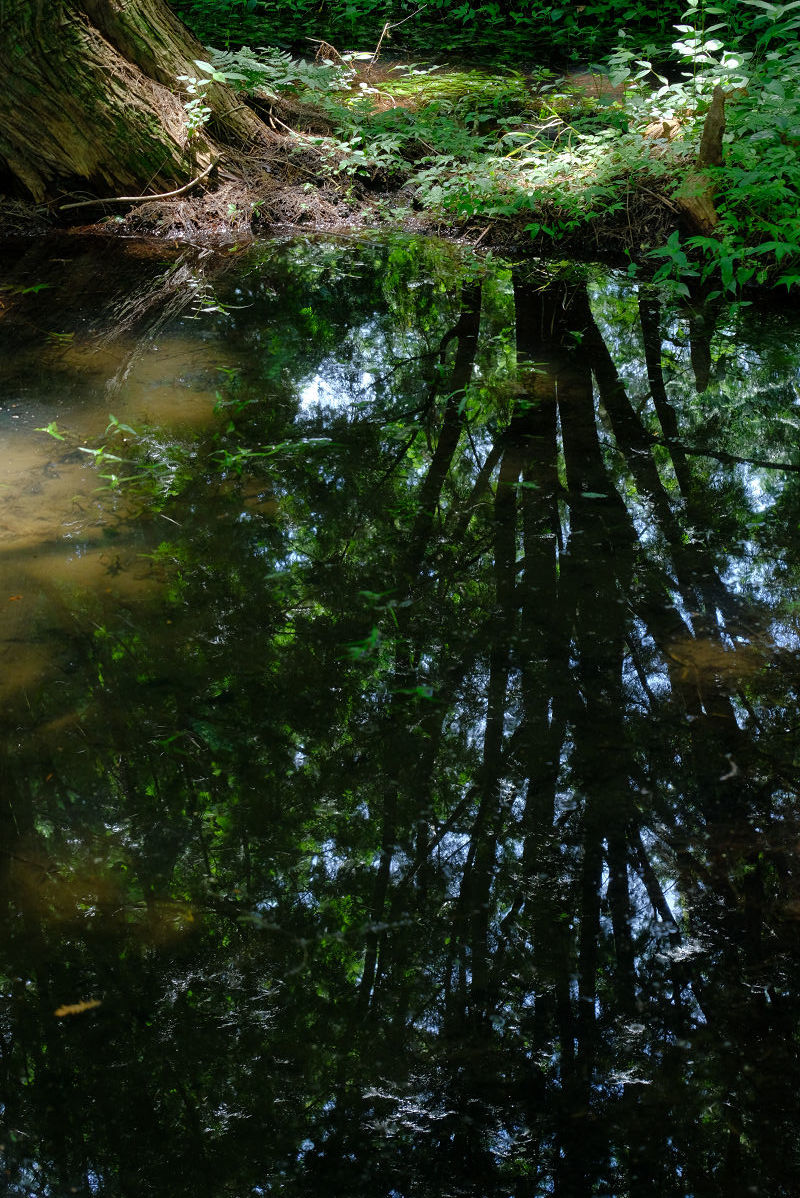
[(431, 828)]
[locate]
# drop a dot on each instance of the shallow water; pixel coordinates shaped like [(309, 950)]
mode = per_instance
[(399, 701)]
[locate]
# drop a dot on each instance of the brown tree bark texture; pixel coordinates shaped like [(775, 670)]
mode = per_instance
[(90, 98), (696, 197)]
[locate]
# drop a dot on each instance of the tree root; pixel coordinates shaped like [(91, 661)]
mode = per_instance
[(165, 195)]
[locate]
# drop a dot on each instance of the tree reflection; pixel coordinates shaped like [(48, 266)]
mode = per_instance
[(431, 830)]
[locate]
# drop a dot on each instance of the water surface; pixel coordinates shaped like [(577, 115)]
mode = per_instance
[(399, 706)]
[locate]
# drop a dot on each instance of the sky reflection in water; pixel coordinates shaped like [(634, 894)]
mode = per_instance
[(400, 714)]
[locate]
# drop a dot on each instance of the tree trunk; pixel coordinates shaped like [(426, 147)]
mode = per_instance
[(90, 99), (696, 197)]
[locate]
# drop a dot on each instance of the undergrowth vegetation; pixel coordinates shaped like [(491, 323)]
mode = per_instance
[(559, 155), (524, 31)]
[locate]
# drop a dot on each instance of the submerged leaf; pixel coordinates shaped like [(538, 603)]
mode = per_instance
[(77, 1008)]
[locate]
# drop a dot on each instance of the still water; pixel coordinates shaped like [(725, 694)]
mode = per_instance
[(399, 703)]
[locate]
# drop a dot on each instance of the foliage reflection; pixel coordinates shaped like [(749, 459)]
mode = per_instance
[(429, 827)]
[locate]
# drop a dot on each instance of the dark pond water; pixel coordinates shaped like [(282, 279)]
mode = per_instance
[(399, 702)]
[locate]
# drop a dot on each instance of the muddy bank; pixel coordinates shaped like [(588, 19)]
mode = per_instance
[(235, 210)]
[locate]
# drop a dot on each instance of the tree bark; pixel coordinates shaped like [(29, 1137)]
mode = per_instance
[(696, 197), (90, 99)]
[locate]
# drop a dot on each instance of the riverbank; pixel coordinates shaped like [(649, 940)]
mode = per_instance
[(617, 165), (418, 148)]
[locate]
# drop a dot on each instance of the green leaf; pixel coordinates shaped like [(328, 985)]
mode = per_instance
[(118, 426), (52, 429)]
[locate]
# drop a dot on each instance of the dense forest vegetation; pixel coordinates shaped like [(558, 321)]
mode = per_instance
[(666, 137), (519, 31)]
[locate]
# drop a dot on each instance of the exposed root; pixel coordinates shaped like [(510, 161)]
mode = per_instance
[(167, 195)]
